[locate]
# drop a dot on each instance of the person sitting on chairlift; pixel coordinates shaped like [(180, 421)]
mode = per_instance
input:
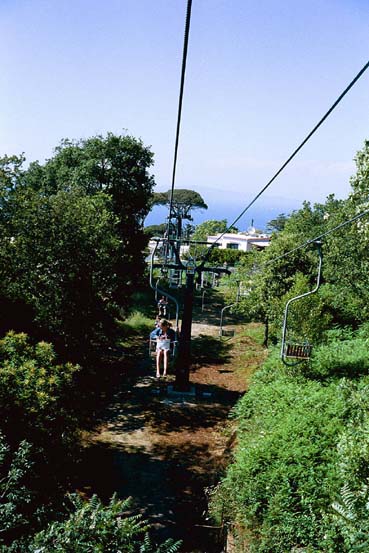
[(162, 306), (163, 335)]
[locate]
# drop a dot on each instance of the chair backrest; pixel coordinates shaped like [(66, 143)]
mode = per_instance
[(229, 333), (298, 351)]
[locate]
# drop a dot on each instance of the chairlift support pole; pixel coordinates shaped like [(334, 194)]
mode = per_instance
[(182, 381), (184, 349), (285, 318)]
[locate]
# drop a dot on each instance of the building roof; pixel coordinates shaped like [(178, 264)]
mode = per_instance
[(260, 243), (241, 237)]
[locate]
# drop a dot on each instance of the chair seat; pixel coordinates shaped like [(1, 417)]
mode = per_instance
[(298, 351), (152, 347), (229, 333)]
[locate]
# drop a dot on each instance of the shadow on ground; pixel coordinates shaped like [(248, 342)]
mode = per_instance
[(160, 451), (167, 486), (208, 350), (163, 450)]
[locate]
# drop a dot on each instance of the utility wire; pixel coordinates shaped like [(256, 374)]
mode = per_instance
[(312, 240), (183, 73), (292, 155)]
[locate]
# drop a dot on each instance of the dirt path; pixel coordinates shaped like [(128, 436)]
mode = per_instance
[(164, 451)]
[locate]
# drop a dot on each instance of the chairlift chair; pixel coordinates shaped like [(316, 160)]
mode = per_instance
[(175, 278), (244, 289), (225, 332), (157, 290), (299, 352), (172, 350)]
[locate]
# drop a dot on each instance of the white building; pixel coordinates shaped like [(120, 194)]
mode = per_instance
[(241, 241)]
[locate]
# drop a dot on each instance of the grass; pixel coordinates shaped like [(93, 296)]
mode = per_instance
[(255, 331), (136, 325), (247, 348)]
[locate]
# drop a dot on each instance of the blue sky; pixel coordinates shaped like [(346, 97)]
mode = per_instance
[(259, 77)]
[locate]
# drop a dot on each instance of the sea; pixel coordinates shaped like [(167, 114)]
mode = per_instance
[(257, 216)]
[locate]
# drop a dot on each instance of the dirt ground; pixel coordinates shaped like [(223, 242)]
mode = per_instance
[(166, 450)]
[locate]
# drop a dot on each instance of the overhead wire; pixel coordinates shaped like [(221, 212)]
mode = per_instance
[(180, 102), (334, 105), (316, 238)]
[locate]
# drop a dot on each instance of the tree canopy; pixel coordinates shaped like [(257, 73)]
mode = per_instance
[(277, 224), (184, 201), (342, 298), (211, 227), (72, 241), (155, 230)]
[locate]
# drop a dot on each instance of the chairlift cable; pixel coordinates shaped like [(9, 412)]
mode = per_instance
[(312, 240), (334, 105), (183, 73)]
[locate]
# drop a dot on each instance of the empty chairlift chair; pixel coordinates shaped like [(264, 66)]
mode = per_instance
[(175, 278), (295, 353), (225, 332)]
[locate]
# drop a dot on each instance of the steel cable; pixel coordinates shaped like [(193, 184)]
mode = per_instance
[(334, 105), (183, 73)]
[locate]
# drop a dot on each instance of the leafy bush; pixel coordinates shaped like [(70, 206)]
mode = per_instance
[(285, 467), (219, 256), (93, 527), (137, 323), (348, 522), (14, 493), (341, 358), (38, 404), (35, 392)]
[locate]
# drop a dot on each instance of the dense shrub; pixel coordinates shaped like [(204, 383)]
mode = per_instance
[(348, 521), (219, 256), (38, 404), (36, 393), (14, 492), (93, 527), (285, 469), (340, 358)]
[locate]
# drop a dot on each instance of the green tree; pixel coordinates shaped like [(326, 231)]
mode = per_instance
[(59, 261), (277, 277), (360, 181), (155, 230), (117, 166), (277, 224), (210, 228), (72, 242), (184, 201)]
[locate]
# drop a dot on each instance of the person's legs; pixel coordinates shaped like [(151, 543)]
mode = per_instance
[(158, 357), (165, 362)]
